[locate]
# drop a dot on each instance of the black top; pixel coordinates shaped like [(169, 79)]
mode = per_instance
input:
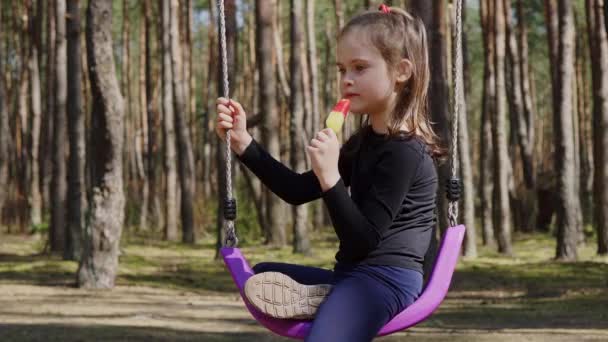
[(389, 215)]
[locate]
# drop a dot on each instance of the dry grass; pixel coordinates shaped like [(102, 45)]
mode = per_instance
[(171, 292)]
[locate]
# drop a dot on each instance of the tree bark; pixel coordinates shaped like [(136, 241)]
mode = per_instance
[(598, 45), (46, 172), (486, 158), (275, 231), (301, 244), (58, 182), (4, 129), (76, 132), (170, 229), (184, 144), (99, 264), (568, 200), (500, 203), (35, 197), (143, 136), (464, 149), (154, 118)]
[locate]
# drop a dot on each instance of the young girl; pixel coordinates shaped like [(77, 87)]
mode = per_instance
[(385, 224)]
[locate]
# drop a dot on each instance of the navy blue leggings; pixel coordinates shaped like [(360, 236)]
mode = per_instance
[(362, 300)]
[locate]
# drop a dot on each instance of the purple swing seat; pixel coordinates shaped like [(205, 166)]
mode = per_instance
[(429, 300)]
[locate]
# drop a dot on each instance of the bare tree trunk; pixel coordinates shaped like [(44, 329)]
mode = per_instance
[(275, 231), (568, 200), (58, 183), (170, 229), (464, 149), (312, 64), (598, 44), (301, 244), (500, 203), (210, 102), (76, 129), (99, 264), (4, 128), (488, 104), (35, 197), (434, 17), (154, 118), (46, 145), (278, 45), (143, 136), (528, 107), (585, 117), (125, 78), (185, 156)]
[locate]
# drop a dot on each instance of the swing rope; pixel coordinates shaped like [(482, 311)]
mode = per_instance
[(453, 186), (231, 239)]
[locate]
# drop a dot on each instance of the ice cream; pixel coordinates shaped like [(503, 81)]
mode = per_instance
[(336, 117)]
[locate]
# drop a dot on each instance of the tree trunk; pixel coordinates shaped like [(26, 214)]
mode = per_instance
[(58, 182), (486, 158), (35, 197), (185, 156), (568, 200), (312, 64), (438, 92), (153, 122), (170, 229), (46, 172), (585, 117), (143, 135), (211, 79), (4, 129), (76, 129), (301, 244), (527, 149), (278, 46), (99, 263), (599, 63), (464, 149), (275, 231), (500, 203)]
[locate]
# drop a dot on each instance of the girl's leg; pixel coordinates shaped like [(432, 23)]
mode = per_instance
[(302, 274), (361, 303)]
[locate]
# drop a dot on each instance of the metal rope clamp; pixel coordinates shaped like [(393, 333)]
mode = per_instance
[(453, 189)]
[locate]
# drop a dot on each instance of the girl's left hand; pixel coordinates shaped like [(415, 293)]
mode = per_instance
[(324, 151)]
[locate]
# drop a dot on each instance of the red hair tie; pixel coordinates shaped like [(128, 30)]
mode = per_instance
[(384, 8)]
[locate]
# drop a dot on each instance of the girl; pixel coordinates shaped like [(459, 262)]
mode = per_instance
[(385, 224)]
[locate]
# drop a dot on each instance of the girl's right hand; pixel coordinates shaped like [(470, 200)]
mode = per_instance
[(230, 115)]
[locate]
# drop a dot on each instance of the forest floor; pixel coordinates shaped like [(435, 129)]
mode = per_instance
[(171, 292)]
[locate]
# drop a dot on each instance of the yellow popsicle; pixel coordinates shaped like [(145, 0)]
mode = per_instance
[(336, 117)]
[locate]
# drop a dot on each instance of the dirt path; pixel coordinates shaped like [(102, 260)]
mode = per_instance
[(127, 313)]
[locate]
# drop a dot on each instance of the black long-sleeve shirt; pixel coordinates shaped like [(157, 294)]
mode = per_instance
[(389, 215)]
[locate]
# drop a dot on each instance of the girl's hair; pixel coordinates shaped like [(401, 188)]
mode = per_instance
[(397, 35)]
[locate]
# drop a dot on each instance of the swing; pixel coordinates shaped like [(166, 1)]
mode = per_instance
[(447, 257)]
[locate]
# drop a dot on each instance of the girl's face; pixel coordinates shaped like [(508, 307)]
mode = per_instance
[(365, 78)]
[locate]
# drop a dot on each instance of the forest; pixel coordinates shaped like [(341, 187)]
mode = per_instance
[(113, 177)]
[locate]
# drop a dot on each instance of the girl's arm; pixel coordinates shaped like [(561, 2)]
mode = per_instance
[(294, 188)]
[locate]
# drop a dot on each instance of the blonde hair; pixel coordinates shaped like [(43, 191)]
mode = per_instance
[(397, 34)]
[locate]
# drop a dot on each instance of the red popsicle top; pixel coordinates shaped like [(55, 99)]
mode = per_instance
[(342, 106)]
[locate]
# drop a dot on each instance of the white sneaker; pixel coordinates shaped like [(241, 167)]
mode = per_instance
[(279, 296)]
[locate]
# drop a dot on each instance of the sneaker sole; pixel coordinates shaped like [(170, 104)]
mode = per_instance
[(279, 296)]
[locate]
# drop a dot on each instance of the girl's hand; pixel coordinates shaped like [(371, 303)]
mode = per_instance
[(324, 150), (230, 115)]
